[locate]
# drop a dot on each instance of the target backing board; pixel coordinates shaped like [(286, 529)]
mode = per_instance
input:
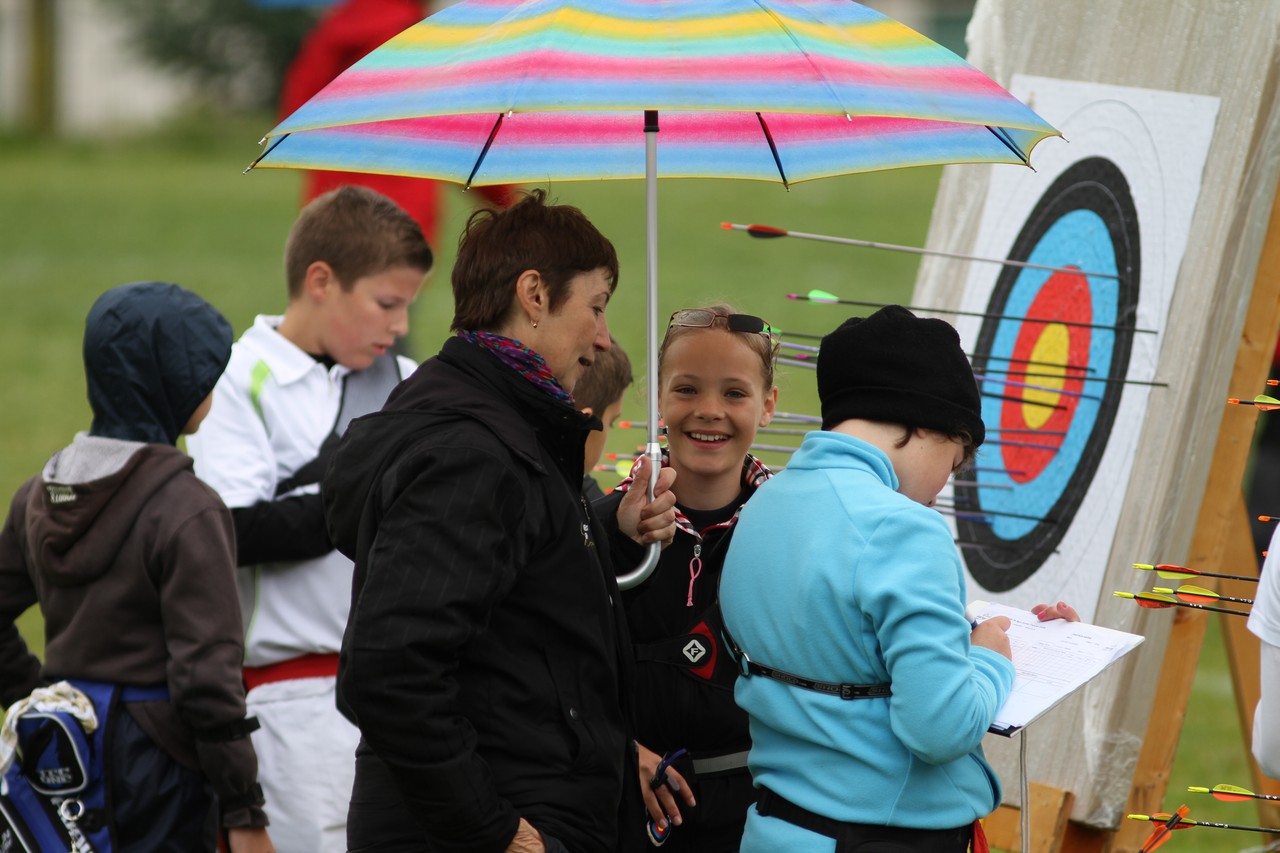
[(1111, 208)]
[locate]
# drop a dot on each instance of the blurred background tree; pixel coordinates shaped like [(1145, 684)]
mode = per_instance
[(235, 51)]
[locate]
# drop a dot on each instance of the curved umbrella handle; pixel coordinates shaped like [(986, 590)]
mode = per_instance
[(640, 574)]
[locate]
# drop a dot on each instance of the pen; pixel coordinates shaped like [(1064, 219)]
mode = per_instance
[(971, 612)]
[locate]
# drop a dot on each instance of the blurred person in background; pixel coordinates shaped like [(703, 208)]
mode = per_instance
[(348, 31)]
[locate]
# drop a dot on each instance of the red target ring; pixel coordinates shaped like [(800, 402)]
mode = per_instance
[(1043, 351)]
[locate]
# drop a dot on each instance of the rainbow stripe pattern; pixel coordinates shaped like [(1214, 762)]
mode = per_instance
[(834, 86)]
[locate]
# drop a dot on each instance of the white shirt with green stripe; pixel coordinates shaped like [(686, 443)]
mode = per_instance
[(272, 409)]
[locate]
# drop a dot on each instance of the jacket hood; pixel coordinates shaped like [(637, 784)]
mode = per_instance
[(152, 353), (75, 526)]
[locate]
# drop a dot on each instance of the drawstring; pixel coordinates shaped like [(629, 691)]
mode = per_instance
[(695, 569)]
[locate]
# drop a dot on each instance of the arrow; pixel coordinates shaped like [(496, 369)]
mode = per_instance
[(960, 509), (1157, 601), (1000, 442), (1198, 594), (982, 517), (792, 416), (1171, 572), (1080, 378), (1013, 399), (996, 469), (1044, 388), (1262, 402), (1066, 365), (990, 546), (1231, 793), (1184, 822), (1027, 431), (821, 296), (768, 429), (1161, 833), (767, 231), (777, 448)]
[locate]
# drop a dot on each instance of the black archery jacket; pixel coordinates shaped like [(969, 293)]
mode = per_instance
[(482, 657)]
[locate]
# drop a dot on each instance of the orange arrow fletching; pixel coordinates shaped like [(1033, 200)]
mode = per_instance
[(1172, 572), (1164, 831)]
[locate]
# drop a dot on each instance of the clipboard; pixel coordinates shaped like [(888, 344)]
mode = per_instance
[(1053, 660)]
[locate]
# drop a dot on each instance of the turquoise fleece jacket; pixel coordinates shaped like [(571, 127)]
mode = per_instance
[(833, 575)]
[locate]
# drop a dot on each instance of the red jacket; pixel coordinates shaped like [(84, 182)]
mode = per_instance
[(351, 29)]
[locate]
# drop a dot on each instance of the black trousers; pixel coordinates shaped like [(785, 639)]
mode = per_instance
[(159, 805), (378, 821), (866, 838)]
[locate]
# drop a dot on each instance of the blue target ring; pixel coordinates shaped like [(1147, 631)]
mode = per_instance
[(1076, 330)]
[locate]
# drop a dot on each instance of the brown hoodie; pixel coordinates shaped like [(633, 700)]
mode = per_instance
[(131, 559)]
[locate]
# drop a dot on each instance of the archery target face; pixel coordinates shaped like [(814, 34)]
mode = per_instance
[(1037, 521), (1048, 431)]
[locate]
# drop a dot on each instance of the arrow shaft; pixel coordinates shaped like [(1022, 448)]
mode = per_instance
[(1186, 572), (959, 509), (1108, 380), (767, 231), (1066, 365), (1064, 392), (1013, 399), (1141, 597), (984, 315)]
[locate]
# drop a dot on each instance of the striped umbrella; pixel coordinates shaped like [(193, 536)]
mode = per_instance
[(504, 91)]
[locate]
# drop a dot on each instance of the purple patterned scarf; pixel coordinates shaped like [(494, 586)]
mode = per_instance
[(521, 359)]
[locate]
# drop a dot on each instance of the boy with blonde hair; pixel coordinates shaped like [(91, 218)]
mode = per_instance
[(354, 263)]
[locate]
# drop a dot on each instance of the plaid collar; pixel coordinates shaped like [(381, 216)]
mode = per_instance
[(754, 472)]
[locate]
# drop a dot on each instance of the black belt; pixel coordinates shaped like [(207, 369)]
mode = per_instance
[(844, 691), (849, 835)]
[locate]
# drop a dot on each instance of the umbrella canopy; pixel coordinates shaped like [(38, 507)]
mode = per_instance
[(500, 91), (516, 91)]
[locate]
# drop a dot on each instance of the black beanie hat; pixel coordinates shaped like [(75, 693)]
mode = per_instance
[(895, 367)]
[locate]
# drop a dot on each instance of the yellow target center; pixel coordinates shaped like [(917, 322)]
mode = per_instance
[(1052, 346)]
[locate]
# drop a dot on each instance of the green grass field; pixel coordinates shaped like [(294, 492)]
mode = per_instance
[(77, 218)]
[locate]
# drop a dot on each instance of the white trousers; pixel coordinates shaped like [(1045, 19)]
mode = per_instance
[(306, 763)]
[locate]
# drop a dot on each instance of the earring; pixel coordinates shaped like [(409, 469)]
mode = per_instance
[(535, 323)]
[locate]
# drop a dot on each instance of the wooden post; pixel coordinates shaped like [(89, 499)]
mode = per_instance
[(1050, 808), (1218, 524)]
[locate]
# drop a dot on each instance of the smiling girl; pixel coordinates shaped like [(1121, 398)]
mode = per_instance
[(715, 375)]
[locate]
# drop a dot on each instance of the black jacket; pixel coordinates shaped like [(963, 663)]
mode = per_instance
[(481, 659), (684, 695)]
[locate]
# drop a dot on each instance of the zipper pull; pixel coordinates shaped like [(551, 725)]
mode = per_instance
[(695, 569)]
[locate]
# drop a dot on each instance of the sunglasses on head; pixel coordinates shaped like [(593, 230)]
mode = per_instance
[(702, 318)]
